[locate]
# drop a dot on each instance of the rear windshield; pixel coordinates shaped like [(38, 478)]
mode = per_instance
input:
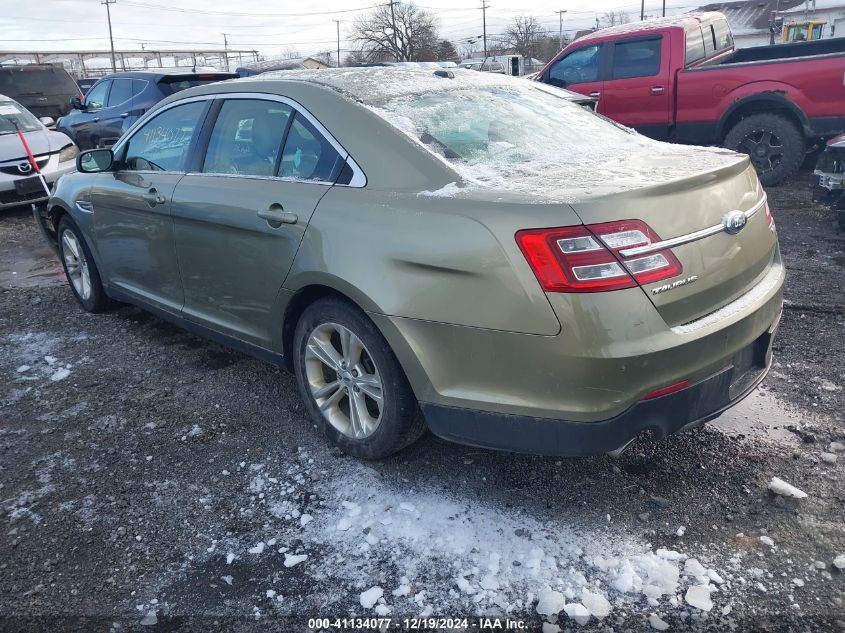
[(170, 85), (529, 137), (13, 118), (37, 81)]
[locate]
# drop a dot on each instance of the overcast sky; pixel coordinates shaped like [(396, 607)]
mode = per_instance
[(270, 26)]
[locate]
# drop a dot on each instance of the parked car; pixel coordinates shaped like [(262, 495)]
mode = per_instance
[(55, 154), (85, 83), (830, 169), (116, 101), (43, 89), (417, 258), (681, 79)]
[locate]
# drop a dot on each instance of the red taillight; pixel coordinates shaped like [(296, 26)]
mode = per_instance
[(770, 220), (588, 258), (665, 391)]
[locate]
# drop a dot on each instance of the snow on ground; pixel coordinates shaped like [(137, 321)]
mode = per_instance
[(40, 357), (391, 547)]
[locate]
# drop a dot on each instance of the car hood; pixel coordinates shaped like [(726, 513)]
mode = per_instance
[(40, 142)]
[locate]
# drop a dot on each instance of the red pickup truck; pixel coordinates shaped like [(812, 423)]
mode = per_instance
[(681, 79)]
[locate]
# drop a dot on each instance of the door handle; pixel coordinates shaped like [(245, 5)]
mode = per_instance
[(276, 216), (595, 94), (657, 90), (153, 197), (123, 115), (95, 119)]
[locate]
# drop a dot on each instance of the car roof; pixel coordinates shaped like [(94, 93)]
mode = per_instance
[(685, 21), (375, 85), (159, 73)]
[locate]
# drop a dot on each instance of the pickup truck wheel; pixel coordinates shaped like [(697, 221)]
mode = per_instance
[(774, 144)]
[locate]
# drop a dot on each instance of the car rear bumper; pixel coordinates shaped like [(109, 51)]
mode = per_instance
[(663, 416)]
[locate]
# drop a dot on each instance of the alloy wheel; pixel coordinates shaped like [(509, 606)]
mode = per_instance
[(765, 149), (344, 380), (76, 265)]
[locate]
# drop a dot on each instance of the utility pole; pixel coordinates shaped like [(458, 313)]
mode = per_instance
[(393, 23), (560, 15), (338, 41), (226, 50), (111, 39), (484, 7), (642, 10), (664, 8)]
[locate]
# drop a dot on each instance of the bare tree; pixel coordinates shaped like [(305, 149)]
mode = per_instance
[(524, 35), (328, 57), (612, 18), (291, 53), (414, 39)]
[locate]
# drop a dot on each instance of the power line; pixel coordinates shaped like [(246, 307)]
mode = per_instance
[(160, 7)]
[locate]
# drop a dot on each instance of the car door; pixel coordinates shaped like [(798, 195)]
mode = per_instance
[(579, 71), (239, 220), (133, 230), (84, 125), (114, 115), (637, 90)]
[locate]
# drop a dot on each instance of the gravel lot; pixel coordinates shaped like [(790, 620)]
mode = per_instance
[(152, 480)]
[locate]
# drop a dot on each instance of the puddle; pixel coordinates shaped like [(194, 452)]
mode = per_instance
[(26, 261), (761, 416)]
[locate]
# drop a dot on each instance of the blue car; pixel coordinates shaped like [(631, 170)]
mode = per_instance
[(116, 101)]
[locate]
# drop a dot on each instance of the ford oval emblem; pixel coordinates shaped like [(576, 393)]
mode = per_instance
[(734, 222)]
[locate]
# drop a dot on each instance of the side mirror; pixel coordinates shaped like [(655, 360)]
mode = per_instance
[(95, 161), (47, 121), (76, 103)]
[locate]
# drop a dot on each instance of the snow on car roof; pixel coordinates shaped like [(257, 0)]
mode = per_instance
[(374, 85)]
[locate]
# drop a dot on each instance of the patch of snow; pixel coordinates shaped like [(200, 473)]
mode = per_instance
[(829, 458), (294, 559), (698, 596), (150, 618), (305, 519), (596, 604), (447, 191), (767, 540), (780, 487), (257, 549), (839, 562), (227, 579), (229, 558), (60, 374), (657, 623), (369, 597), (577, 612)]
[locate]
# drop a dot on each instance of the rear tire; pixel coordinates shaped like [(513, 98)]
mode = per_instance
[(774, 144), (80, 269), (351, 382)]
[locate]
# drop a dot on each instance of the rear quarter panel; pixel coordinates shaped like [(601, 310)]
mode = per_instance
[(427, 258)]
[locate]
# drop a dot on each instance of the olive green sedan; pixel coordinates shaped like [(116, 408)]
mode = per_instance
[(470, 253)]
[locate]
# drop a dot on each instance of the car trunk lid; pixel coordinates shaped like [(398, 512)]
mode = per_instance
[(690, 214)]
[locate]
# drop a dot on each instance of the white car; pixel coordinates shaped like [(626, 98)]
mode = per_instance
[(55, 155)]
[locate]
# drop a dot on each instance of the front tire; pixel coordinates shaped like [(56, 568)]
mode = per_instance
[(351, 382), (774, 144), (80, 269)]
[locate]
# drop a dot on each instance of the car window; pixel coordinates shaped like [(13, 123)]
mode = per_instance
[(96, 97), (121, 92), (695, 46), (14, 117), (138, 86), (162, 143), (307, 154), (638, 58), (722, 35), (579, 66), (247, 137)]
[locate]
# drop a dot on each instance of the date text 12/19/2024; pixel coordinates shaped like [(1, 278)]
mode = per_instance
[(417, 624)]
